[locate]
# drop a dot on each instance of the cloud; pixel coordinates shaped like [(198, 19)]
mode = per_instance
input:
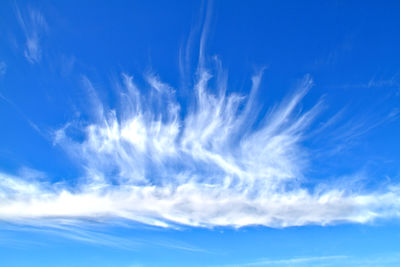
[(199, 31), (214, 160), (22, 114), (219, 163), (3, 68), (91, 233), (387, 259), (70, 232), (294, 261), (34, 25)]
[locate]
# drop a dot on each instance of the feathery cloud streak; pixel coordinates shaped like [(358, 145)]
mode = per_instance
[(291, 262), (220, 164), (33, 24)]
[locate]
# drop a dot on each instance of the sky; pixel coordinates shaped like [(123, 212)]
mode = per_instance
[(199, 133)]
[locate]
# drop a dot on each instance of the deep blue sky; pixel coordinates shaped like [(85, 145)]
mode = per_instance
[(114, 153)]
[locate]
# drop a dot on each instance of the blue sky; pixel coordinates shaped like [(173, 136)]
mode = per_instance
[(188, 133)]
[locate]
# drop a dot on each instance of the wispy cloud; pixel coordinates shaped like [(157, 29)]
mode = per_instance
[(34, 25), (213, 161), (186, 57), (3, 68), (221, 163), (89, 232), (67, 230), (389, 259), (292, 261), (376, 82), (22, 114)]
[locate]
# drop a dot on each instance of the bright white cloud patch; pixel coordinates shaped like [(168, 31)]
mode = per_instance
[(218, 164)]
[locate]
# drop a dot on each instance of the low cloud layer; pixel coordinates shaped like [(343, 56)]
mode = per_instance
[(219, 163)]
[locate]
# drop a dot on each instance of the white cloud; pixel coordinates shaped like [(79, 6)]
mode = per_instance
[(34, 25), (219, 164)]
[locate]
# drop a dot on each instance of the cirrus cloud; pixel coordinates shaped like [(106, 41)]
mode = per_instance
[(221, 163)]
